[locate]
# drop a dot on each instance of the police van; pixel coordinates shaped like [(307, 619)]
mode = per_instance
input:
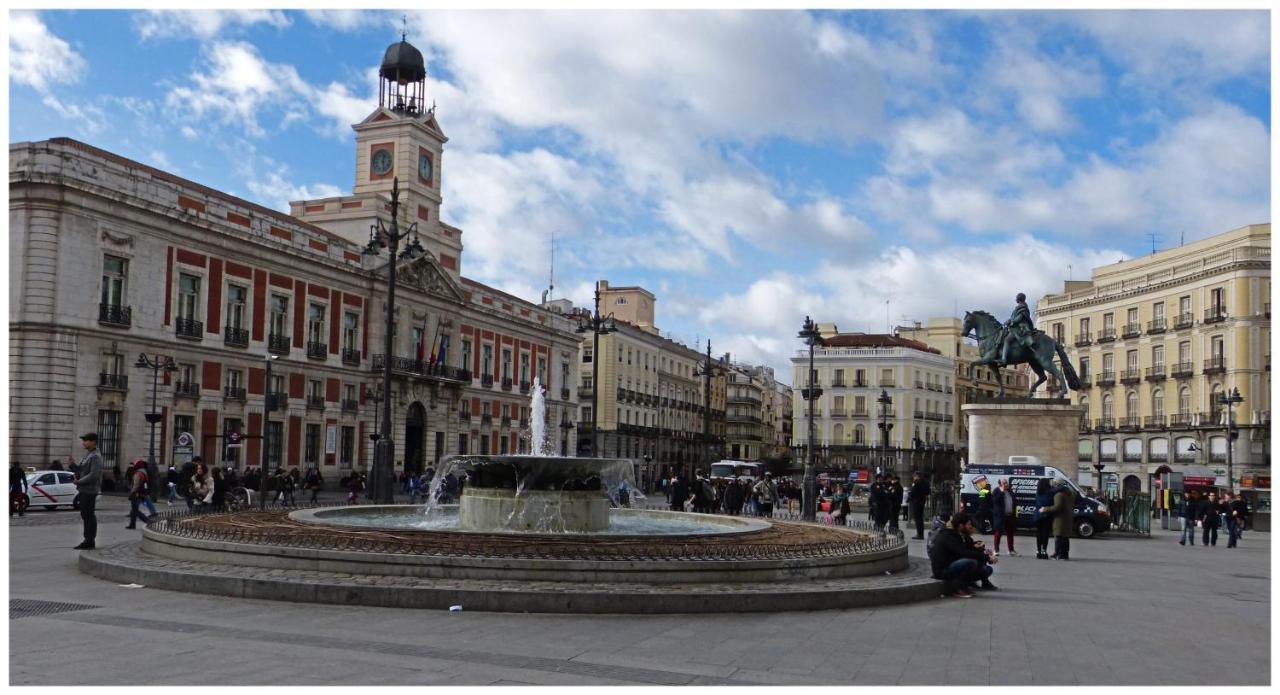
[(1023, 474)]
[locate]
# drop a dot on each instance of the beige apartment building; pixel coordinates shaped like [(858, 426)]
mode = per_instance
[(854, 370), (653, 391), (1156, 340)]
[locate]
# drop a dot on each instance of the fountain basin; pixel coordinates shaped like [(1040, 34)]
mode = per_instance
[(542, 511)]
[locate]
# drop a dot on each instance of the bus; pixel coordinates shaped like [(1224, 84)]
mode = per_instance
[(724, 471)]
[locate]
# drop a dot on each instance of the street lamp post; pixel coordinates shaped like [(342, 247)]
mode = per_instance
[(810, 393), (885, 427), (1230, 400), (268, 403), (707, 369), (598, 326), (156, 365), (381, 478), (565, 427)]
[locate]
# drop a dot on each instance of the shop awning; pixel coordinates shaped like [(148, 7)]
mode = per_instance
[(1197, 475)]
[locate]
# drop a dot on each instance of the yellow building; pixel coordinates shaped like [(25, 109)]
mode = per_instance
[(1156, 340)]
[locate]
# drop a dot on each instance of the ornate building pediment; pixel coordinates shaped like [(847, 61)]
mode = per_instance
[(425, 275)]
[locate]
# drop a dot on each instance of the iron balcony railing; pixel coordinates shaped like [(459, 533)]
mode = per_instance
[(464, 415), (189, 328), (189, 389), (350, 356), (1153, 422), (564, 395), (233, 336), (317, 350), (1083, 340), (1215, 314), (1157, 325), (486, 418), (115, 314), (1107, 378), (1104, 424), (524, 387), (1156, 372), (279, 401), (887, 383), (486, 380), (277, 344), (1106, 335), (113, 382), (416, 367), (1215, 365), (1131, 330), (506, 383), (1180, 420), (1132, 375), (1130, 423), (1182, 370), (315, 402), (1183, 320), (233, 393), (350, 405)]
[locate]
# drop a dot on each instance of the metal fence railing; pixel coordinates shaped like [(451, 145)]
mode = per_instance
[(1131, 513)]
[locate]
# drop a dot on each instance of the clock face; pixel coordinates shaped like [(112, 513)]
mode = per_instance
[(381, 162), (424, 166)]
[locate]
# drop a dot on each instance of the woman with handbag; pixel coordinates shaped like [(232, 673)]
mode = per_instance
[(840, 506)]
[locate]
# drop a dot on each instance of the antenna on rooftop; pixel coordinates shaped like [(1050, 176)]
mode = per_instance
[(1154, 238)]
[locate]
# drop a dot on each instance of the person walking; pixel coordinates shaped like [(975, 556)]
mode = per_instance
[(984, 519), (1238, 514), (916, 500), (17, 490), (733, 498), (895, 501), (1063, 512), (1190, 514), (1210, 519), (767, 494), (881, 501), (679, 492), (220, 487), (1044, 520), (840, 506), (88, 484), (146, 491), (171, 481), (137, 492), (1004, 519)]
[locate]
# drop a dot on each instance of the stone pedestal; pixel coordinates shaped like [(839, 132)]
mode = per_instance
[(538, 511), (1046, 429)]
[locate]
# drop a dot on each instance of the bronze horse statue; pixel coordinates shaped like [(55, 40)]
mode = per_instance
[(987, 331)]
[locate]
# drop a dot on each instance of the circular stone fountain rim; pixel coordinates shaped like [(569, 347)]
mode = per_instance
[(731, 525)]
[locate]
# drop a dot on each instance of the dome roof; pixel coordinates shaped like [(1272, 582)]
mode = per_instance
[(401, 57)]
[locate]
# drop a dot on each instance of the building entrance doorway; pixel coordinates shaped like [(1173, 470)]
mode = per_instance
[(415, 422)]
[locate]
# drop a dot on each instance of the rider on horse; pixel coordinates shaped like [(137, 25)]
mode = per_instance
[(1019, 329)]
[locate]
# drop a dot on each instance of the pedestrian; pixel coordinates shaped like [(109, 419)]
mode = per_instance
[(311, 481), (415, 487), (881, 501), (88, 484), (984, 518), (733, 498), (1004, 510), (171, 481), (184, 480), (873, 498), (201, 487), (1239, 513), (353, 488), (1189, 512), (55, 465), (1063, 513), (917, 496), (1210, 519), (679, 492), (1044, 520), (137, 492), (958, 560), (17, 490), (146, 491), (895, 501), (767, 494), (840, 506), (220, 487)]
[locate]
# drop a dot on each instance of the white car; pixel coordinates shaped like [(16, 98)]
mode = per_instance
[(51, 489)]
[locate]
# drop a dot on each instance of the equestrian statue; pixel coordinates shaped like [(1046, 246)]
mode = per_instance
[(1018, 341)]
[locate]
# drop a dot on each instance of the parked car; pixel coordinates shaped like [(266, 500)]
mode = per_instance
[(51, 489)]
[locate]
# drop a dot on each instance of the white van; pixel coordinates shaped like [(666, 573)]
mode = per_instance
[(735, 470), (1023, 473)]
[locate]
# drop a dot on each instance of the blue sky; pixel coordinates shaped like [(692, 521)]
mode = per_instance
[(747, 167)]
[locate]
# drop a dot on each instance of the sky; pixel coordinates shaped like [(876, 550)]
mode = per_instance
[(749, 168)]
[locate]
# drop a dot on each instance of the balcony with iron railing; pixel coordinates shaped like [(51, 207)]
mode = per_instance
[(350, 356), (189, 329), (859, 412), (564, 394), (486, 380), (317, 350), (234, 336), (504, 421), (1156, 372), (887, 383), (315, 402), (1106, 335), (486, 418), (277, 344), (839, 413), (1182, 370), (919, 384), (1153, 422), (1130, 423), (1131, 330), (1086, 381), (1183, 320), (1180, 420), (1104, 424), (887, 412), (1106, 378), (464, 415), (115, 315), (1083, 340), (113, 382), (1131, 375), (350, 405), (838, 383), (279, 401), (525, 386), (1215, 365), (412, 366), (1085, 427), (186, 389), (1215, 314), (234, 393), (506, 383), (860, 383), (946, 389), (1157, 325)]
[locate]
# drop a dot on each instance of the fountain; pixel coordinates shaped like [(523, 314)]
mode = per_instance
[(532, 532)]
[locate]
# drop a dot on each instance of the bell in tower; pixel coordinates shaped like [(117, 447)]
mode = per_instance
[(402, 79)]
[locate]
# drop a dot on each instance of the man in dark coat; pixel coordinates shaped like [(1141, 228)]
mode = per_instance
[(733, 497), (957, 560), (916, 500), (1210, 511), (679, 492), (880, 501), (1063, 511), (1238, 514), (895, 500)]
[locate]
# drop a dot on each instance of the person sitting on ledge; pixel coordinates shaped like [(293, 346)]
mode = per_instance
[(960, 561)]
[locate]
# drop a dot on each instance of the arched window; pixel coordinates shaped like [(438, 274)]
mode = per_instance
[(1108, 411), (838, 434), (1184, 401), (1084, 449), (859, 435), (1157, 405), (1215, 410)]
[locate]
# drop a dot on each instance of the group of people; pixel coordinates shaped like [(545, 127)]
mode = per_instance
[(732, 497), (1209, 513)]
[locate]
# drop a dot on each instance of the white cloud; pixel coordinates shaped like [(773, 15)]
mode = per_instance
[(202, 24), (346, 20), (1041, 83), (38, 58)]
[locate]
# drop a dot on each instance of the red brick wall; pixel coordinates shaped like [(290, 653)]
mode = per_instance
[(295, 441)]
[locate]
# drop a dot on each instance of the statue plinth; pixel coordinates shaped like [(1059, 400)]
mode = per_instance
[(1044, 428)]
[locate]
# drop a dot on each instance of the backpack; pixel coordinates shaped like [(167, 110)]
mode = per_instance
[(934, 530)]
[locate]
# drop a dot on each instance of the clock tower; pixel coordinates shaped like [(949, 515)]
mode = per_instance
[(401, 140)]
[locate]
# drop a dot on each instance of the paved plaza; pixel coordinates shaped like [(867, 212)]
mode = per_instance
[(1122, 611)]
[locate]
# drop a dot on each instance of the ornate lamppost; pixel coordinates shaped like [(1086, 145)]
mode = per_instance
[(1230, 400), (565, 427), (382, 236), (156, 365), (597, 325), (885, 427), (810, 393), (268, 403), (705, 370)]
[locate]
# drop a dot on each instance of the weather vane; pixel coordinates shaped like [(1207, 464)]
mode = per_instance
[(404, 27)]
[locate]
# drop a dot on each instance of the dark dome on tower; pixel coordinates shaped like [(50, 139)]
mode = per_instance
[(402, 63)]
